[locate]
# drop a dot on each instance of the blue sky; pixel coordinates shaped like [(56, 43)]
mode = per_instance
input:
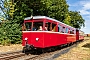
[(0, 9), (84, 7)]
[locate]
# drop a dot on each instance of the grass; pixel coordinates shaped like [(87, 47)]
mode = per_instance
[(87, 45), (81, 52)]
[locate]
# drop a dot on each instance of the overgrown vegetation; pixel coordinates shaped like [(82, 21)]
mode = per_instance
[(17, 10)]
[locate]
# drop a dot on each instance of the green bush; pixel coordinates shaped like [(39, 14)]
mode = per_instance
[(10, 32)]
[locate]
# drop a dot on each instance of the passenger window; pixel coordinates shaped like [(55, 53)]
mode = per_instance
[(23, 27), (66, 30), (74, 32), (71, 31), (28, 26), (59, 27), (53, 27), (63, 29), (48, 26), (37, 26)]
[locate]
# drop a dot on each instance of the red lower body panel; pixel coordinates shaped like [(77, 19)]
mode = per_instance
[(71, 38), (81, 37), (46, 39)]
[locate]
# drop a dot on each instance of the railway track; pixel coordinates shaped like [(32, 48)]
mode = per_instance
[(8, 56), (48, 55), (52, 55), (45, 56), (16, 56)]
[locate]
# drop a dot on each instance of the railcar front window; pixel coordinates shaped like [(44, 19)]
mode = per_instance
[(37, 26), (28, 26), (53, 27)]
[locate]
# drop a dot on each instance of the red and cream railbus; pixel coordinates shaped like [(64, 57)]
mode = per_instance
[(44, 32)]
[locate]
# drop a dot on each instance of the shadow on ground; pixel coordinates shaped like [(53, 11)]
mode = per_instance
[(86, 45)]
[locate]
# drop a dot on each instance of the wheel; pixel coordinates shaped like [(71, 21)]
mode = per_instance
[(25, 51)]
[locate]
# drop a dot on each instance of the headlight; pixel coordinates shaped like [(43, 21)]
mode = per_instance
[(26, 38)]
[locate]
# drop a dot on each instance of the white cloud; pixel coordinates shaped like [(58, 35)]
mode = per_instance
[(84, 12), (88, 17), (85, 4), (86, 29), (85, 9), (74, 5), (81, 5)]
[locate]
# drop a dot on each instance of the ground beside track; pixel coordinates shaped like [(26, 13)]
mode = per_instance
[(80, 52), (11, 48)]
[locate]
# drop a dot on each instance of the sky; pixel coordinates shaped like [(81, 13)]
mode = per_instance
[(0, 9), (83, 6)]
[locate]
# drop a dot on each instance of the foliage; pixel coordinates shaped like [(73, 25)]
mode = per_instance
[(53, 8), (76, 19), (10, 31), (68, 20)]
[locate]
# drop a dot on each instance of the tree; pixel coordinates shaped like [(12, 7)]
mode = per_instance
[(10, 31), (53, 8), (76, 19), (68, 20)]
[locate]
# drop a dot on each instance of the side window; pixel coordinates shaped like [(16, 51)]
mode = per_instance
[(23, 27), (71, 31), (53, 27), (66, 30), (28, 26), (48, 26), (63, 30), (74, 31), (37, 26), (59, 27)]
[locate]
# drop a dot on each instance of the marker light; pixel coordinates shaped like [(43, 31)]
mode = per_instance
[(26, 38), (37, 39)]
